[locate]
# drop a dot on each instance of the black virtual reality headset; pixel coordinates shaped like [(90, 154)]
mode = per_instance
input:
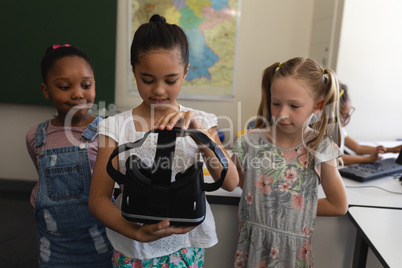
[(149, 196)]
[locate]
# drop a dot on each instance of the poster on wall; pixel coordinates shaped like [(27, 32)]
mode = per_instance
[(211, 27)]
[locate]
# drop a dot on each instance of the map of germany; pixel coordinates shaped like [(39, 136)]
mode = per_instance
[(211, 29)]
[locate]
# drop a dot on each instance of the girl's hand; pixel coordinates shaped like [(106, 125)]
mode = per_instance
[(395, 149), (373, 157), (187, 120), (380, 149), (100, 201), (182, 119), (152, 232)]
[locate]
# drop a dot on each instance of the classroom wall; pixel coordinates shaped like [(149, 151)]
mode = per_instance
[(268, 31), (15, 121), (325, 33)]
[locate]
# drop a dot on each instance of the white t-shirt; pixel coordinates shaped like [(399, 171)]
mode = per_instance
[(343, 136), (121, 128)]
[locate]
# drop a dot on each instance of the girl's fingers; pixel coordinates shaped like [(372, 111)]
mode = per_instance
[(166, 121), (180, 229), (152, 232), (191, 121), (162, 225), (175, 119), (178, 120), (184, 120), (187, 118)]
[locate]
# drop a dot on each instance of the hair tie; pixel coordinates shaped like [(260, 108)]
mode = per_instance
[(157, 18), (57, 46), (277, 68), (341, 93)]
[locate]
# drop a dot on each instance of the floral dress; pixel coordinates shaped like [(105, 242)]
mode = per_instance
[(190, 257), (278, 207)]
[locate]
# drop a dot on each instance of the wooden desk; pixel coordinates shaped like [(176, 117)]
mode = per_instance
[(381, 230)]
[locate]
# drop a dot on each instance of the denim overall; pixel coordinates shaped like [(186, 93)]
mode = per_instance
[(68, 235)]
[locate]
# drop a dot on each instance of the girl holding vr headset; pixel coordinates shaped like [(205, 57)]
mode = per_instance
[(160, 63)]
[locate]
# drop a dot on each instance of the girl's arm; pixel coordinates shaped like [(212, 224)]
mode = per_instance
[(362, 149), (395, 149), (335, 202), (365, 153), (371, 152), (357, 159), (102, 207), (189, 120), (239, 168), (214, 167)]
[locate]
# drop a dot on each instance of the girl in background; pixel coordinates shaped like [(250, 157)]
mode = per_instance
[(160, 62), (63, 150), (364, 153), (282, 161)]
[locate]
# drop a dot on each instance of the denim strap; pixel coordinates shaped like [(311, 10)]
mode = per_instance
[(40, 134), (92, 130)]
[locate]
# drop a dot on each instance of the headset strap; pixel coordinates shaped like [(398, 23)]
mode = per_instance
[(162, 167), (115, 174), (120, 178), (209, 187)]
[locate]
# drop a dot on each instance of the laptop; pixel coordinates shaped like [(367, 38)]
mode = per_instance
[(369, 171)]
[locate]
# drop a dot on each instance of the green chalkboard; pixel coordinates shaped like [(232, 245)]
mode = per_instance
[(28, 27)]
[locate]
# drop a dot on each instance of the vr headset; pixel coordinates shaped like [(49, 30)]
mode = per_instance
[(149, 196)]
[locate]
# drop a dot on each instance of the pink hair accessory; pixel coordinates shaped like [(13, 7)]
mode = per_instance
[(57, 46)]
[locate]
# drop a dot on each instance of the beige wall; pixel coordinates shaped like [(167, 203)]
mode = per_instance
[(15, 121), (268, 31), (326, 27)]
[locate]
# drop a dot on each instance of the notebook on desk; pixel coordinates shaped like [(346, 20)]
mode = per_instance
[(369, 171)]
